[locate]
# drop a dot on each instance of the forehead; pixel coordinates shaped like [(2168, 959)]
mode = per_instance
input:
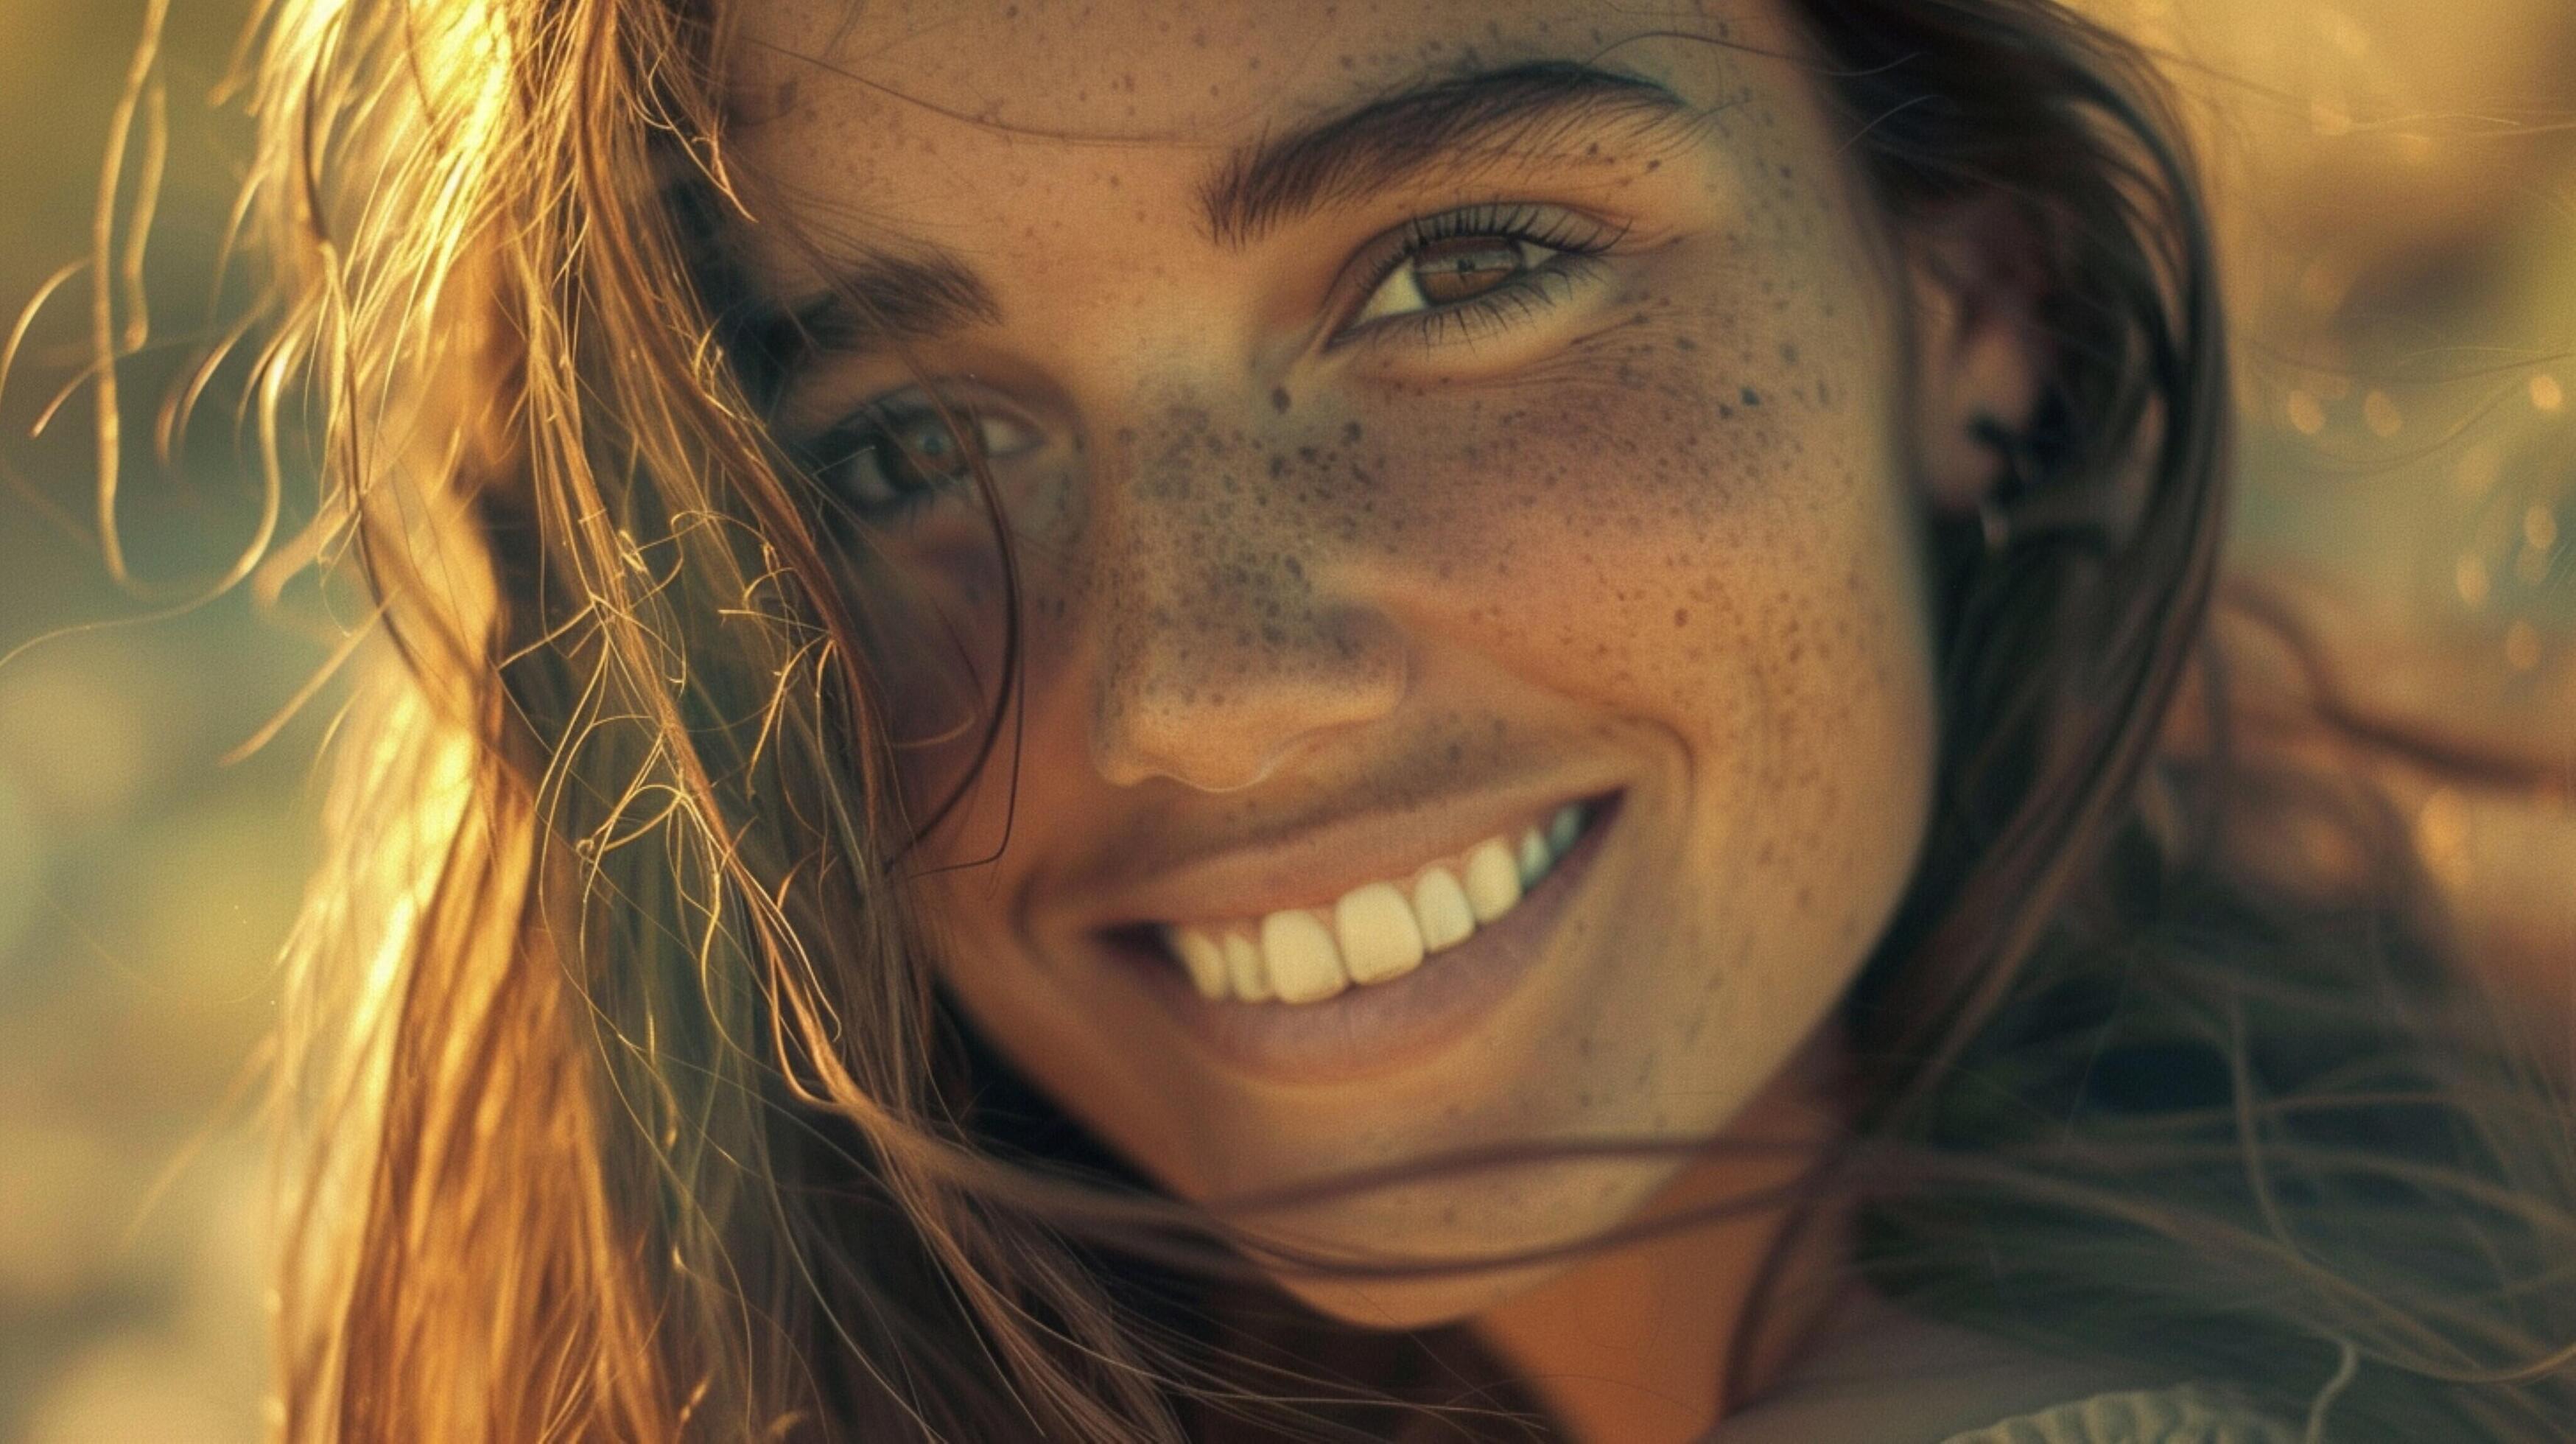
[(882, 92)]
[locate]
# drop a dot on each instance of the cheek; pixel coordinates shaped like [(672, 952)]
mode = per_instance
[(938, 639), (1707, 545), (1661, 518), (930, 641)]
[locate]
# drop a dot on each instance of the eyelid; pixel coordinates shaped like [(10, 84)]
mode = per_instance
[(1570, 232), (996, 432), (967, 413), (964, 405)]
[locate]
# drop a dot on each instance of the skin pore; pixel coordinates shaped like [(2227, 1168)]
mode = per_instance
[(1410, 418)]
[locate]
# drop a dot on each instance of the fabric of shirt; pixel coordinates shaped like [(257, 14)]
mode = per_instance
[(2189, 1414)]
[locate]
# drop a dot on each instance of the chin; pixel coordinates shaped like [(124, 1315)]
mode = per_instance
[(1547, 1206), (1404, 1304)]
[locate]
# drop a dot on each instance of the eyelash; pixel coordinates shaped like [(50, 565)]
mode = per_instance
[(872, 432), (1578, 241)]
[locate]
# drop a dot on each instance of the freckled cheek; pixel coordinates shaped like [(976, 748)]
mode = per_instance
[(1728, 560), (1637, 534), (1845, 704)]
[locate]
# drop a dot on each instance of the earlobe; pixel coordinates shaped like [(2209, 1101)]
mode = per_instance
[(1976, 281)]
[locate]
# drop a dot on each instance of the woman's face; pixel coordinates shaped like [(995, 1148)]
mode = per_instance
[(1413, 420)]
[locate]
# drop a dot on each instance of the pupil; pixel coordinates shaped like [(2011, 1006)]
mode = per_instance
[(1464, 268), (926, 457)]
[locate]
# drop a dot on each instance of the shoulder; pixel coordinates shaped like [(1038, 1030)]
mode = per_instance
[(2174, 1414), (2187, 1414), (1884, 1376)]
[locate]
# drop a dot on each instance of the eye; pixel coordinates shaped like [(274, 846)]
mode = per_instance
[(1460, 274), (1444, 273), (895, 456)]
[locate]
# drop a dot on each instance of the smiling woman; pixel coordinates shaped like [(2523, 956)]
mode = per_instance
[(1249, 721)]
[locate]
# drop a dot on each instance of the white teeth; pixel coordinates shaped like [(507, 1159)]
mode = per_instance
[(1564, 828), (1532, 858), (1245, 969), (1379, 937), (1203, 956), (1374, 933), (1440, 908), (1305, 965), (1493, 880)]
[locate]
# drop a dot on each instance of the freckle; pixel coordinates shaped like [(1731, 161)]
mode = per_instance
[(1789, 352), (1280, 400), (1351, 433), (1752, 397), (1681, 616), (1654, 165), (1684, 343)]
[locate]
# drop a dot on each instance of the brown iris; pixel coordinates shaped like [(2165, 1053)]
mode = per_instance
[(1465, 267)]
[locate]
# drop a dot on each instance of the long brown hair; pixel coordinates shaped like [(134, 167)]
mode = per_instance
[(622, 1104)]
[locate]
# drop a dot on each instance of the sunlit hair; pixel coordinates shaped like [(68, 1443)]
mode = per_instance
[(623, 1104)]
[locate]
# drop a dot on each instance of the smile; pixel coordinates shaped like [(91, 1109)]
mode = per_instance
[(1376, 932), (1335, 1011)]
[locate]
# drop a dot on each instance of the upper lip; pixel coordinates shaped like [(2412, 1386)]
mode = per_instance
[(1314, 866)]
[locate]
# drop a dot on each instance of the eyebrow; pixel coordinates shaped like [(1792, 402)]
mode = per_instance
[(1492, 115), (877, 300)]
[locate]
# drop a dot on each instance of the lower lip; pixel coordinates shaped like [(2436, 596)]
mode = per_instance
[(1361, 1032)]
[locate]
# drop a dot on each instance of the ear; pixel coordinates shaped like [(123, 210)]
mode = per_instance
[(1976, 277)]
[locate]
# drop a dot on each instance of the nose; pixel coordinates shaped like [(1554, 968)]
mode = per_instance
[(1231, 639)]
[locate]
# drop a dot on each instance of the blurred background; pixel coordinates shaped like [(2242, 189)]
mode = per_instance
[(2395, 188)]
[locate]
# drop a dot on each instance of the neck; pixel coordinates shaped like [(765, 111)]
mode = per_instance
[(1638, 1344)]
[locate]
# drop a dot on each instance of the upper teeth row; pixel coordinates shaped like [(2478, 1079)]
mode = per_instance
[(1377, 932)]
